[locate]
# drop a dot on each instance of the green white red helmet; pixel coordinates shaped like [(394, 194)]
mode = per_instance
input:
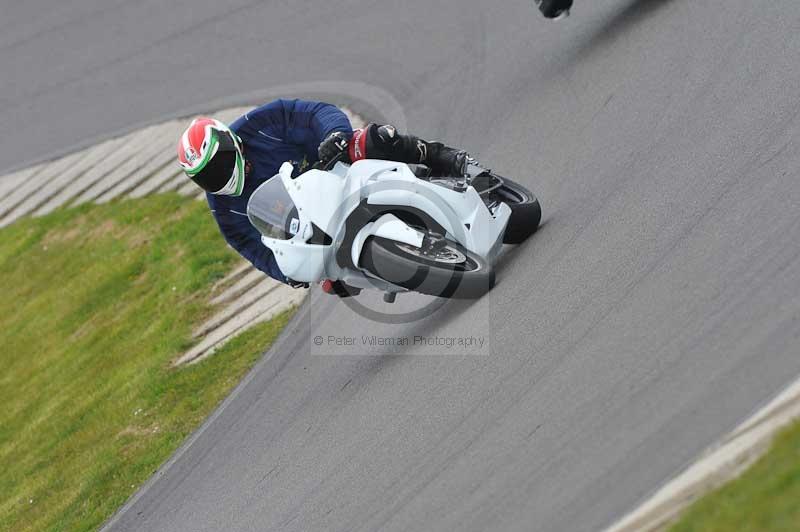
[(211, 155)]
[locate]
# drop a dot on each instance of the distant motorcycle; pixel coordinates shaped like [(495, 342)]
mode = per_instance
[(554, 9), (381, 225)]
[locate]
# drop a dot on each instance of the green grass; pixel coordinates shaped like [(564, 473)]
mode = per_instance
[(98, 301), (765, 498)]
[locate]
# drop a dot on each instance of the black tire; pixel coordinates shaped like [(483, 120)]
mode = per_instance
[(525, 211), (393, 262)]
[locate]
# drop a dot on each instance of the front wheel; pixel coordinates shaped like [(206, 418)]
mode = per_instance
[(451, 272)]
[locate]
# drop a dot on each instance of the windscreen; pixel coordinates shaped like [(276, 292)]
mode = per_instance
[(272, 211)]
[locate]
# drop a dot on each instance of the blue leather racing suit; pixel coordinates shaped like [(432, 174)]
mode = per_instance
[(280, 131)]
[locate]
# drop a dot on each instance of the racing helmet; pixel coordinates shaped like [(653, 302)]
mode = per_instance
[(211, 155)]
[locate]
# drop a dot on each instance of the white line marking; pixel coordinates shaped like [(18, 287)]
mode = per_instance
[(722, 462)]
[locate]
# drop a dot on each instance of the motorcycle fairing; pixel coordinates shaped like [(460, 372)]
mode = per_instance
[(326, 199)]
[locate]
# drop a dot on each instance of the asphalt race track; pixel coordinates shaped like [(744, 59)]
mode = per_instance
[(656, 308)]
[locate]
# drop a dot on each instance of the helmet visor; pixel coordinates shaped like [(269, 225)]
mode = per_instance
[(224, 172)]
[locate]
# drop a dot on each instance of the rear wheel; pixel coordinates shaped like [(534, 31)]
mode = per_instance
[(525, 210), (452, 271)]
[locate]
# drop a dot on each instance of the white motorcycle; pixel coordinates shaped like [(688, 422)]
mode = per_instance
[(381, 225)]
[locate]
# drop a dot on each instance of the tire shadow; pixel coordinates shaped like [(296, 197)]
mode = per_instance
[(510, 252)]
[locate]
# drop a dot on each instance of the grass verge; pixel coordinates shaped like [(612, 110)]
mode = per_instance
[(98, 301), (765, 498)]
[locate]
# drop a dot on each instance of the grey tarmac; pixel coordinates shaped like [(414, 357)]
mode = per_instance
[(655, 310)]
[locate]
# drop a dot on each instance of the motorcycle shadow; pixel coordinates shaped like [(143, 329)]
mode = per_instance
[(511, 251)]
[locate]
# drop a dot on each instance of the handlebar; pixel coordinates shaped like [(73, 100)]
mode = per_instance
[(327, 165)]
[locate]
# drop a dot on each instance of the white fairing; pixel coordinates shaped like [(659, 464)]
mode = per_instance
[(326, 199)]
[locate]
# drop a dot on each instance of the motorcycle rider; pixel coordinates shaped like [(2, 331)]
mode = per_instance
[(230, 162), (554, 9)]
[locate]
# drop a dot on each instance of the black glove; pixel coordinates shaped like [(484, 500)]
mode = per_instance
[(334, 144), (296, 284)]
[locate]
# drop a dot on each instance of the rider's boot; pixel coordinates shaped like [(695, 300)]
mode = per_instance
[(446, 161)]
